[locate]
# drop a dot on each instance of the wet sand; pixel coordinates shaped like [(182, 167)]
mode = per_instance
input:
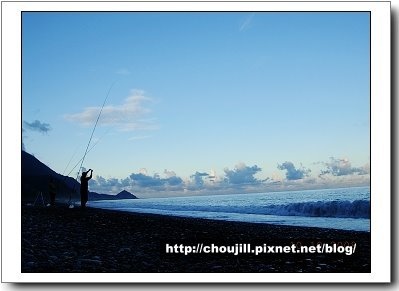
[(66, 240)]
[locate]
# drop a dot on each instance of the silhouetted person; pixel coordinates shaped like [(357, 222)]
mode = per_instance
[(84, 187), (52, 191)]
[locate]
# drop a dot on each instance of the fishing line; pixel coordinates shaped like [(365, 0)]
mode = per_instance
[(74, 153), (74, 189), (91, 136), (95, 126), (89, 151)]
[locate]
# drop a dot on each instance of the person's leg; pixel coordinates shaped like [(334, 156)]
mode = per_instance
[(82, 203), (85, 198)]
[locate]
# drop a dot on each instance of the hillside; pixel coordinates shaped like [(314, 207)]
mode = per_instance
[(35, 177)]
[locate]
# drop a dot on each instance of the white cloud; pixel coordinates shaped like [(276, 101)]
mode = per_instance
[(143, 171), (243, 174), (293, 173), (343, 167), (128, 116), (239, 180), (169, 174)]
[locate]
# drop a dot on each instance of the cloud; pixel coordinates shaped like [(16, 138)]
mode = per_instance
[(242, 174), (103, 186), (169, 174), (241, 179), (37, 126), (125, 182), (128, 116), (212, 176), (343, 167), (293, 173), (143, 180), (174, 181), (143, 171), (135, 182), (139, 183), (246, 24), (365, 170), (198, 178)]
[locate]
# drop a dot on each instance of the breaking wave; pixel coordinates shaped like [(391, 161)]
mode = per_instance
[(354, 209), (347, 208)]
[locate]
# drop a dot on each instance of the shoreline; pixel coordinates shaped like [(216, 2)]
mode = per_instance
[(228, 221), (59, 239)]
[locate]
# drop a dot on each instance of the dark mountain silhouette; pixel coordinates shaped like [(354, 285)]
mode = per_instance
[(32, 166), (124, 195), (121, 195), (35, 177)]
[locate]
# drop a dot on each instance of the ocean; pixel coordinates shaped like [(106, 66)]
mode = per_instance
[(344, 208)]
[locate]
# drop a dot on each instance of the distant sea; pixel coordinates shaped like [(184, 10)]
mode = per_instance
[(344, 208)]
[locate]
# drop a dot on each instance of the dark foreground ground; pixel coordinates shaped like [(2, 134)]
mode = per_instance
[(67, 240)]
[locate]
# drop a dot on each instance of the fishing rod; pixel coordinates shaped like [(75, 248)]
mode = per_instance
[(95, 126), (91, 137), (65, 176)]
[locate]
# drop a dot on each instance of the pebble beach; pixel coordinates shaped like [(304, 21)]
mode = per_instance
[(63, 240)]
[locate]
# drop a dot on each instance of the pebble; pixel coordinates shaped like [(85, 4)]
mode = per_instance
[(30, 264), (81, 246), (90, 261), (147, 264), (122, 250)]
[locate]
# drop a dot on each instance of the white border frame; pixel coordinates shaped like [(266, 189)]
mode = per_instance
[(380, 141)]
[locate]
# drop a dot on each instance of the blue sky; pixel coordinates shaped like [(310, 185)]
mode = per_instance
[(258, 100)]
